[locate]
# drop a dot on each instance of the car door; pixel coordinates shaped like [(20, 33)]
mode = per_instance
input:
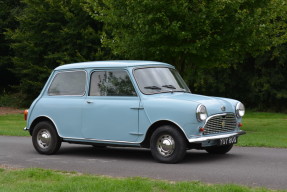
[(110, 112)]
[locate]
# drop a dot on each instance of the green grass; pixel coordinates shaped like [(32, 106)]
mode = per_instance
[(13, 125), (264, 130), (47, 180)]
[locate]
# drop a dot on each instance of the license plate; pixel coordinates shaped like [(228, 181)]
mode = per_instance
[(228, 140)]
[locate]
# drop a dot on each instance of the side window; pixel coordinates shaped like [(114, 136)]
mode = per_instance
[(68, 83), (111, 83)]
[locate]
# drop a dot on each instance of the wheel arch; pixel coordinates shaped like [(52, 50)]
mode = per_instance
[(39, 119), (146, 142)]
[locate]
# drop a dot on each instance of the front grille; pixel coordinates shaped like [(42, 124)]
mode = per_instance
[(220, 124)]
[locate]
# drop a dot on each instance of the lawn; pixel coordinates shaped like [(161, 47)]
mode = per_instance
[(263, 129), (13, 124), (47, 180)]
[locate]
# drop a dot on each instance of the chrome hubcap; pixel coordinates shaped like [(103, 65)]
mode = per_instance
[(44, 138), (165, 145)]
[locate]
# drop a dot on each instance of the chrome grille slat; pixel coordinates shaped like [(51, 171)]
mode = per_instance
[(220, 124)]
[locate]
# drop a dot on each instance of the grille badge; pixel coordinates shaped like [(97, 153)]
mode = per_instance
[(223, 108), (223, 123)]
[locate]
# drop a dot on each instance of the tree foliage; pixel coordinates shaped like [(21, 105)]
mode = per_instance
[(224, 48), (269, 83), (191, 33), (51, 33), (8, 10), (230, 48), (260, 82)]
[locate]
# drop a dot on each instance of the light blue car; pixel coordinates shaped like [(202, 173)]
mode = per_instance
[(131, 103)]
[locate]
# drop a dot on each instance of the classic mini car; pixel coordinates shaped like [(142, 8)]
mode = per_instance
[(131, 103)]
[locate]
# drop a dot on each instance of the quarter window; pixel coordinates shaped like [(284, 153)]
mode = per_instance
[(111, 83), (68, 83)]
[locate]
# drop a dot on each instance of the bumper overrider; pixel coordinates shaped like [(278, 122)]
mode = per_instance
[(216, 137)]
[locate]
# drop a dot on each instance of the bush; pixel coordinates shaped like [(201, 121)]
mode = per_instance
[(12, 100)]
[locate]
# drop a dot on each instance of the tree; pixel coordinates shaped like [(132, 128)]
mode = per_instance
[(8, 10), (268, 82), (193, 35), (52, 33)]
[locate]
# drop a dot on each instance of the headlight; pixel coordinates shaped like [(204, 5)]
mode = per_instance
[(201, 113), (240, 109)]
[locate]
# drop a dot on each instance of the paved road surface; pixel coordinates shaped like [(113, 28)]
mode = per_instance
[(248, 166)]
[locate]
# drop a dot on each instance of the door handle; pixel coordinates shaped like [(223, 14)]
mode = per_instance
[(89, 102)]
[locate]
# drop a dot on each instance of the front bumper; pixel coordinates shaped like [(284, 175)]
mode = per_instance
[(210, 138)]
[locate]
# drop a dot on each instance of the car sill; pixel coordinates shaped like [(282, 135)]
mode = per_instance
[(87, 140)]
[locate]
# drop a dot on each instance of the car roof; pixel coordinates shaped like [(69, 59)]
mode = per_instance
[(108, 64)]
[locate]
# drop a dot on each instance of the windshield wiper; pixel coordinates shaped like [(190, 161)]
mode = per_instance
[(169, 86), (152, 87)]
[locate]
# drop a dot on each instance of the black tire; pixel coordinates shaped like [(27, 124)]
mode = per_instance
[(45, 138), (167, 144), (219, 149)]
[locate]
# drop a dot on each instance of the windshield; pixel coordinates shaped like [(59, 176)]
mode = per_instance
[(159, 80)]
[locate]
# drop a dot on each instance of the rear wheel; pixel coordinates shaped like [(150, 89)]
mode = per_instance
[(167, 144), (219, 149), (45, 138)]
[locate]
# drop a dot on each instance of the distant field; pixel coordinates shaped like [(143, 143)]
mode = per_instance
[(263, 129), (48, 180)]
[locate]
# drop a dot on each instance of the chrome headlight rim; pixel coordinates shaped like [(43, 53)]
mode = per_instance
[(201, 113), (239, 110)]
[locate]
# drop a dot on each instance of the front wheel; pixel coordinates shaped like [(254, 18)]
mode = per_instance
[(219, 149), (167, 144), (45, 138)]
